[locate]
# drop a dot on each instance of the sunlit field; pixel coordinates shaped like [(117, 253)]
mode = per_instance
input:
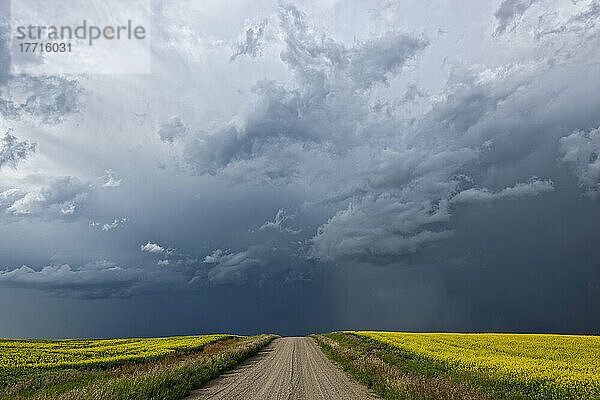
[(80, 352), (118, 369), (540, 366)]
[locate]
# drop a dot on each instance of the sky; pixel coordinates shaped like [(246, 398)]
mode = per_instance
[(308, 166)]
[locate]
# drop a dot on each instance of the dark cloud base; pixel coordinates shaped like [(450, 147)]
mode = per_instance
[(406, 299), (541, 277)]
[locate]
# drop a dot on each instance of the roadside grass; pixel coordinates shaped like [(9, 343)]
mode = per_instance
[(171, 377), (395, 374)]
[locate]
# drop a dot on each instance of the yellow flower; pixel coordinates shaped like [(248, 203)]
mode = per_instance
[(550, 366), (79, 352)]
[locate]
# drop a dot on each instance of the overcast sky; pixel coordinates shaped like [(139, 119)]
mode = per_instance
[(307, 166)]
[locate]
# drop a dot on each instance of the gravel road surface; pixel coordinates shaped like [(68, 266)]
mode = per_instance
[(288, 368)]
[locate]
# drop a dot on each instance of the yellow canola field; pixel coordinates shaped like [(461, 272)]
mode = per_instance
[(82, 352), (542, 366)]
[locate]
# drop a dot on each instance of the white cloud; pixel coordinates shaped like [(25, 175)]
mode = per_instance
[(116, 223), (532, 188), (69, 208), (252, 43), (12, 151), (579, 20), (215, 256), (278, 223), (9, 196), (109, 180), (510, 11), (109, 226), (152, 248), (62, 197), (47, 99)]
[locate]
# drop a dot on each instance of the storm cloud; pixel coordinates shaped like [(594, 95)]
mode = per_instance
[(419, 155), (580, 151)]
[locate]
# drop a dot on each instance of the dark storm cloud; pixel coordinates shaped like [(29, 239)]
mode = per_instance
[(329, 75), (469, 134), (235, 267), (103, 278), (255, 266), (367, 171), (405, 198), (581, 150), (93, 280), (402, 193)]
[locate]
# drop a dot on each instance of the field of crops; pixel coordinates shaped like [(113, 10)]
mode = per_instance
[(543, 366), (21, 354), (119, 369)]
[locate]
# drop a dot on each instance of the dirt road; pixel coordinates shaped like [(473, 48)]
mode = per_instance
[(289, 368)]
